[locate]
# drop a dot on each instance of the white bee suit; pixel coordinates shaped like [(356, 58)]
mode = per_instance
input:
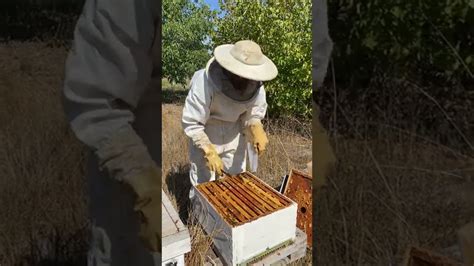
[(322, 43), (214, 112), (323, 154), (111, 100)]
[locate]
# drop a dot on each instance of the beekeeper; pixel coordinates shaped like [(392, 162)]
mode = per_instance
[(323, 155), (224, 110), (111, 99)]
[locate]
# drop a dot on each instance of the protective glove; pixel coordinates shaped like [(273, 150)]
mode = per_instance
[(213, 161), (146, 186), (324, 159), (323, 155), (257, 137)]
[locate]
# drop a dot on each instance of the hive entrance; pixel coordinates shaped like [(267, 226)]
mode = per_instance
[(242, 198)]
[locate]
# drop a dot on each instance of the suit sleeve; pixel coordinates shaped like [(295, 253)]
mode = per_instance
[(323, 154), (322, 43), (196, 110), (106, 73)]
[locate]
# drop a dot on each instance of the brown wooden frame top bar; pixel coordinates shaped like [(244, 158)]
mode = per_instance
[(242, 198)]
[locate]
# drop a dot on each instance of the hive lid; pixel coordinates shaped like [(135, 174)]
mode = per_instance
[(242, 198), (175, 236)]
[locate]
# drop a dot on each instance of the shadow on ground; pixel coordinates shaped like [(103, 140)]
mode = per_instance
[(57, 249), (179, 185), (75, 261), (174, 96)]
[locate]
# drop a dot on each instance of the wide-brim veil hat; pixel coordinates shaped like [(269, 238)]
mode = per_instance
[(246, 59)]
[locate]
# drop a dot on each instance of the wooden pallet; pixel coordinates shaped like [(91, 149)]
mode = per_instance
[(175, 236), (281, 256)]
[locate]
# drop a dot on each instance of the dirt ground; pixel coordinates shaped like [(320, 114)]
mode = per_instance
[(387, 193)]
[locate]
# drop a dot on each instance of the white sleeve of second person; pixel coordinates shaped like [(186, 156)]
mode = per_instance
[(322, 43), (257, 109), (196, 110), (106, 73)]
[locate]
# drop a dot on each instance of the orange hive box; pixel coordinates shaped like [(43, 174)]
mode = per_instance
[(299, 189)]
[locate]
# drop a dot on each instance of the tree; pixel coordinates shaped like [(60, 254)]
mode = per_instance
[(283, 30), (430, 40), (186, 29)]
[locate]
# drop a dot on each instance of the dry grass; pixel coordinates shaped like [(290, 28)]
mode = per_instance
[(42, 207), (389, 193), (285, 151)]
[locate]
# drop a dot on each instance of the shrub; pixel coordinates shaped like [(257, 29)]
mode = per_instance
[(283, 30)]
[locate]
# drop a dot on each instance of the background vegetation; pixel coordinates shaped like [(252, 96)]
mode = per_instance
[(402, 63), (283, 30), (397, 102), (186, 29)]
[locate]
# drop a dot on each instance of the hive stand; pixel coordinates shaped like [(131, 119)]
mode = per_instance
[(175, 236), (282, 256)]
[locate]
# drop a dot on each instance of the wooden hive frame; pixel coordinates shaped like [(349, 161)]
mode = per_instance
[(242, 198), (244, 216)]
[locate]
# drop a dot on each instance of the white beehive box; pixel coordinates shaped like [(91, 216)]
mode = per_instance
[(175, 236), (244, 216)]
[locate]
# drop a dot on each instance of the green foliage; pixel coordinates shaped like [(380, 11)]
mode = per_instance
[(186, 24), (283, 30), (421, 39), (402, 64)]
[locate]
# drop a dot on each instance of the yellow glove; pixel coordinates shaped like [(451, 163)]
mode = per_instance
[(323, 155), (213, 161), (257, 137), (323, 158), (146, 186)]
